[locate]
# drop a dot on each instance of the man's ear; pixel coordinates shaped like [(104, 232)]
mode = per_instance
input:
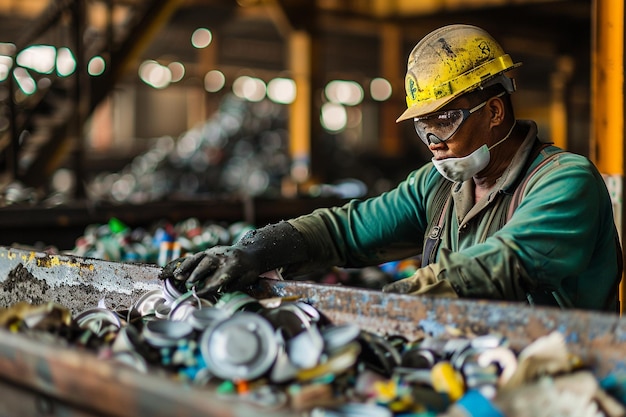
[(495, 107)]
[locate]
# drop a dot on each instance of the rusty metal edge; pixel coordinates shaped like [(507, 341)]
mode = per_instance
[(79, 378), (599, 339), (60, 270)]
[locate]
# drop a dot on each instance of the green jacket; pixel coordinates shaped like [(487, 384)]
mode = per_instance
[(560, 238)]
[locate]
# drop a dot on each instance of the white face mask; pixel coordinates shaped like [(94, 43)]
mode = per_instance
[(464, 168)]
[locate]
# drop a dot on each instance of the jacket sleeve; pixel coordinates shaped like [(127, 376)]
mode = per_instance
[(369, 232)]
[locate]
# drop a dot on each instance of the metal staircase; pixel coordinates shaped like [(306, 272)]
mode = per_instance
[(42, 113)]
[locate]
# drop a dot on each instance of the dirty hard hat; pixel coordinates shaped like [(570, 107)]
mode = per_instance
[(449, 62)]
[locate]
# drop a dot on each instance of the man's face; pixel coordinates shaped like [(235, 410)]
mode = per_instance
[(467, 137)]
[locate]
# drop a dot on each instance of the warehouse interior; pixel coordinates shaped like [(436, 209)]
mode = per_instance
[(136, 131), (68, 135)]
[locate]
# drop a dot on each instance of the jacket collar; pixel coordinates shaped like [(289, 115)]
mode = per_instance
[(516, 169), (463, 194)]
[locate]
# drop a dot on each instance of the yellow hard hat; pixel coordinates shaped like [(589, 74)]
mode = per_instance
[(451, 61)]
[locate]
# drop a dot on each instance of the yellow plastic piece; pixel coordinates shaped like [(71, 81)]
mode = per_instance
[(446, 379), (386, 391)]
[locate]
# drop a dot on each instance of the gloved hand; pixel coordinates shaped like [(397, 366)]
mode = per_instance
[(229, 267), (213, 268), (423, 282)]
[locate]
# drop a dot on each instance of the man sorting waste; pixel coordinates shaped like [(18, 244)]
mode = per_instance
[(499, 213)]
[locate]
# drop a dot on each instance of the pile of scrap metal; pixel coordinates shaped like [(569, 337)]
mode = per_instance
[(294, 348)]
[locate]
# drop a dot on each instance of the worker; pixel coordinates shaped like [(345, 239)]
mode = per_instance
[(497, 214)]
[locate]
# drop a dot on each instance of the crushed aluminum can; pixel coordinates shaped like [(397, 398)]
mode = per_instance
[(204, 318), (353, 410), (238, 301), (145, 305), (335, 337), (289, 319), (165, 333), (305, 349), (98, 320), (242, 347)]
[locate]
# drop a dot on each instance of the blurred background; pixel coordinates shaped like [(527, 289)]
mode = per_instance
[(254, 111)]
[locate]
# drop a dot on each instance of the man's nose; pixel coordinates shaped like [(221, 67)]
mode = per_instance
[(436, 146), (433, 139)]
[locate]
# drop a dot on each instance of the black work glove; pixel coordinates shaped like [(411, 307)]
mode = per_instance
[(228, 267)]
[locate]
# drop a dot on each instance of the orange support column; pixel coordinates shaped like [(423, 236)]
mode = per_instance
[(558, 109), (392, 64), (607, 104), (300, 55)]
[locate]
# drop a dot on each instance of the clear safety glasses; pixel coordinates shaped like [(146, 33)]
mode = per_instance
[(440, 126)]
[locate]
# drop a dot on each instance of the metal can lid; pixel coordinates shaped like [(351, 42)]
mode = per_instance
[(242, 347), (98, 320), (418, 358), (162, 310), (146, 304), (306, 348), (378, 353), (204, 318), (165, 333), (126, 340), (340, 335), (311, 311), (182, 311), (337, 363), (353, 410), (238, 301), (283, 370), (289, 319), (170, 291)]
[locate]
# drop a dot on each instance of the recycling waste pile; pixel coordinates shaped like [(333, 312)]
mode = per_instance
[(294, 348), (242, 149)]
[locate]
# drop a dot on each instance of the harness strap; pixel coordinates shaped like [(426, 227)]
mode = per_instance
[(434, 236), (518, 194), (546, 297)]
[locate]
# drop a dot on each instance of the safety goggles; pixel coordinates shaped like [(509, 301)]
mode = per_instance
[(440, 126)]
